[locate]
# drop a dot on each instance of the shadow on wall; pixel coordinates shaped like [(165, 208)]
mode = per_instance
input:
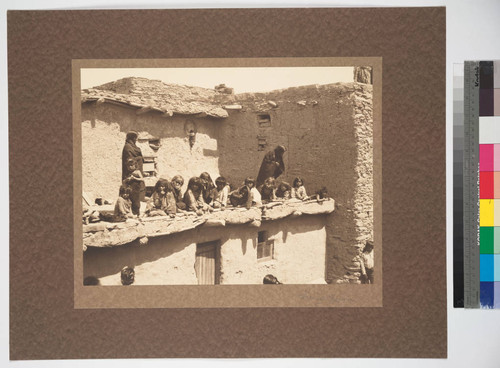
[(244, 242)]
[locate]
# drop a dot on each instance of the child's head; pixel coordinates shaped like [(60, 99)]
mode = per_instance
[(250, 182), (270, 280), (270, 182), (220, 182), (162, 186), (284, 187), (177, 182), (127, 275), (206, 180), (280, 150), (125, 191), (132, 136), (195, 184), (368, 246), (323, 193), (131, 164), (298, 182)]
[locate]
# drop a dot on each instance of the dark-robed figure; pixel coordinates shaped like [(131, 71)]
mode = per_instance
[(131, 151), (129, 171), (272, 165)]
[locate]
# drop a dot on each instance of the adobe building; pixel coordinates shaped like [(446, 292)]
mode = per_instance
[(327, 129), (235, 246)]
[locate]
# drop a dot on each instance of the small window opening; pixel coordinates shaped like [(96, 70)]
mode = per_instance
[(264, 120), (265, 247)]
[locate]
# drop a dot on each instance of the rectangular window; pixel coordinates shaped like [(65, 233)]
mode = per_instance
[(264, 120), (265, 247)]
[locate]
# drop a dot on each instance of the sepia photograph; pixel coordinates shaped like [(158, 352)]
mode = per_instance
[(227, 176)]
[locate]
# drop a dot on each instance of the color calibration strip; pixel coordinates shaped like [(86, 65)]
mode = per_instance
[(489, 183), (458, 193)]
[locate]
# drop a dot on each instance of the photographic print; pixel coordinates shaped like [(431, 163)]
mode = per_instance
[(204, 282), (263, 178)]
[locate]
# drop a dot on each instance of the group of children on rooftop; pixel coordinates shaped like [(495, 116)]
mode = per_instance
[(203, 195)]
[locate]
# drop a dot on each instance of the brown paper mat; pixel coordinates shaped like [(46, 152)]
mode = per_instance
[(43, 320)]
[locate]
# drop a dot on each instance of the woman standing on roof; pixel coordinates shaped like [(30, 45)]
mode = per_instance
[(272, 165), (132, 152)]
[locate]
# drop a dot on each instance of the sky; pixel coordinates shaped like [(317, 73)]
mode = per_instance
[(262, 79)]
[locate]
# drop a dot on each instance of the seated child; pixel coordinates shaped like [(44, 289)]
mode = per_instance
[(177, 183), (135, 181), (298, 190), (268, 190), (241, 196), (320, 194), (193, 198), (222, 192), (255, 194), (162, 202), (123, 206), (209, 191), (283, 191), (90, 215)]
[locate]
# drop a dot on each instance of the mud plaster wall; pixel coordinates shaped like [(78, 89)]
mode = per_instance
[(328, 131), (169, 260), (104, 128)]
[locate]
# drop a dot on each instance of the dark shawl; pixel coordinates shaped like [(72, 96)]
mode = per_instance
[(272, 165), (130, 150)]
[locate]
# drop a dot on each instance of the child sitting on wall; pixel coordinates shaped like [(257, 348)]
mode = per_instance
[(298, 189), (162, 202), (222, 193), (90, 215), (283, 192), (242, 196), (268, 190), (209, 191), (177, 183), (123, 205), (255, 194), (135, 181), (320, 195), (193, 198)]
